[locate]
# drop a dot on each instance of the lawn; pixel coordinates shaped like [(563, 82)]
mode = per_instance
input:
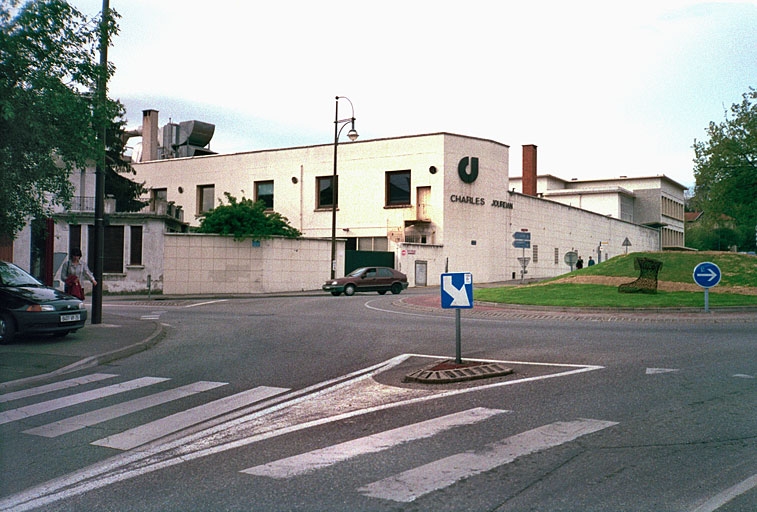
[(737, 271)]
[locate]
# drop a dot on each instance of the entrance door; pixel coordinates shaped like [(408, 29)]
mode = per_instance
[(421, 270)]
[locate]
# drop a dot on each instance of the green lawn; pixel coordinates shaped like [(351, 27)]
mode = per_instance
[(736, 270)]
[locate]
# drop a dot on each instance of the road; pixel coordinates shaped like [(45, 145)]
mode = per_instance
[(298, 403)]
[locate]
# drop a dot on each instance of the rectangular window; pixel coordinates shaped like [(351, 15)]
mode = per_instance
[(557, 256), (206, 197), (398, 188), (157, 195), (113, 254), (135, 250), (74, 237), (536, 254), (326, 194), (264, 192)]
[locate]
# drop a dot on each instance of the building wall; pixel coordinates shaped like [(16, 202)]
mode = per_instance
[(214, 264)]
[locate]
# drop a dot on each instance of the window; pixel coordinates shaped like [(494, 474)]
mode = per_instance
[(264, 192), (536, 254), (74, 237), (157, 195), (206, 198), (557, 256), (113, 255), (398, 188), (135, 251), (326, 194)]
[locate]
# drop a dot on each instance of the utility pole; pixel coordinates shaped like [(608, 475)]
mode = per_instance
[(99, 238)]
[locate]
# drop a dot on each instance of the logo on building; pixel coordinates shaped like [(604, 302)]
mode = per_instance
[(462, 169)]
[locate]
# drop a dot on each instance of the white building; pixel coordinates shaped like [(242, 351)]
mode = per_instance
[(437, 202)]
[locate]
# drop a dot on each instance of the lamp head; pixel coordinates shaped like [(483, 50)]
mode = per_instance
[(352, 134)]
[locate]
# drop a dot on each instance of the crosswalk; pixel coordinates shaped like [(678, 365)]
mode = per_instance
[(407, 485)]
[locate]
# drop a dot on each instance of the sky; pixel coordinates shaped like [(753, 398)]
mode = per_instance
[(604, 89)]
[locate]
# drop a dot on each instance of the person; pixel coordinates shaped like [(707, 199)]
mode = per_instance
[(580, 263), (73, 271), (591, 261)]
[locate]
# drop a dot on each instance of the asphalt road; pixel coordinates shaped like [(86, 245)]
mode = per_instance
[(298, 403)]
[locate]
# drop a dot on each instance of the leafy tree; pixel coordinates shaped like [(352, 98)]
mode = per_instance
[(125, 190), (726, 171), (245, 219), (49, 66)]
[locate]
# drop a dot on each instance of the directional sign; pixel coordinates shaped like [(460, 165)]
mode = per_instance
[(522, 244), (522, 235), (457, 290), (707, 274)]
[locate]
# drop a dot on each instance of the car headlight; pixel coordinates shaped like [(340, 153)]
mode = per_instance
[(82, 305), (333, 283), (37, 308)]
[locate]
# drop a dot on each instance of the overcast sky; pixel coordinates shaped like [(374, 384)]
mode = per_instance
[(603, 88)]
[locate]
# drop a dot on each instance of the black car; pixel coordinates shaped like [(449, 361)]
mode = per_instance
[(29, 307), (368, 279)]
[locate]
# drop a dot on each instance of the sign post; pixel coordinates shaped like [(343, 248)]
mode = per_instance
[(457, 294), (706, 275), (522, 240)]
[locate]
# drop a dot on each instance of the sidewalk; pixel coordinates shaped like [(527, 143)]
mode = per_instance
[(33, 358)]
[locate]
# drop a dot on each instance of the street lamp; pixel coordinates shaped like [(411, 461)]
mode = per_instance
[(339, 124)]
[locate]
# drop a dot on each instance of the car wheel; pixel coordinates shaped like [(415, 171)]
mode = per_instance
[(336, 294), (396, 288), (349, 290), (382, 292), (7, 329)]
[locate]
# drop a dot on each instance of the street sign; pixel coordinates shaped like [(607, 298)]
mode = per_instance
[(706, 274), (457, 290), (522, 235), (522, 244), (571, 257), (524, 262)]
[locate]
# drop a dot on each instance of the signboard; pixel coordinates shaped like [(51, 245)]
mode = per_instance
[(522, 235), (706, 274), (457, 290), (522, 244), (571, 258)]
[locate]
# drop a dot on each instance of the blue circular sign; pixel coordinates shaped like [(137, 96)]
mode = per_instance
[(706, 274)]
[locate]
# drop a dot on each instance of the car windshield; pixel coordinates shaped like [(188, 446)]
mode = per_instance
[(11, 275), (357, 272)]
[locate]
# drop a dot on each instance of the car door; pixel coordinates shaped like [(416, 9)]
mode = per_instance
[(384, 278), (368, 281)]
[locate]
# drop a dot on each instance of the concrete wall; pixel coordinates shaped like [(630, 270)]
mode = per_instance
[(214, 264)]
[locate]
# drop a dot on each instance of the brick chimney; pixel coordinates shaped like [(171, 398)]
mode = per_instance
[(149, 135), (529, 170)]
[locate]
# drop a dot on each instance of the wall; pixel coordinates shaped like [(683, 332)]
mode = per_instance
[(214, 264)]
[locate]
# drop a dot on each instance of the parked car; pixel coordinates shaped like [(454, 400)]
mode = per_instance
[(368, 279), (29, 307)]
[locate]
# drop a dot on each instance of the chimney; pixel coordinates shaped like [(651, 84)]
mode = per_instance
[(529, 170), (149, 135)]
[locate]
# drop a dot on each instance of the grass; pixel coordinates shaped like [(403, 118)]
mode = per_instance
[(736, 269)]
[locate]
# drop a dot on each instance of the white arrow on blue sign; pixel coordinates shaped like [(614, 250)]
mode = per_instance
[(707, 274), (457, 290)]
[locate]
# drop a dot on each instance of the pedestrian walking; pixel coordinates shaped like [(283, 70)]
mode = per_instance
[(72, 273)]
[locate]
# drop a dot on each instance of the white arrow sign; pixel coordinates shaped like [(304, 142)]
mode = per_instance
[(459, 295), (710, 274)]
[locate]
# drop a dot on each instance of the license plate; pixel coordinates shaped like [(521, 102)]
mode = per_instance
[(70, 318)]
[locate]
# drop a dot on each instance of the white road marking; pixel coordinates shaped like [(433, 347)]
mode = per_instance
[(164, 454), (409, 485), (55, 386), (743, 376), (316, 459), (160, 428), (724, 497), (657, 371), (205, 303), (88, 419), (60, 403)]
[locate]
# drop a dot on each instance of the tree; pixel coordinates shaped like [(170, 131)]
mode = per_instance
[(49, 68), (245, 219), (726, 171)]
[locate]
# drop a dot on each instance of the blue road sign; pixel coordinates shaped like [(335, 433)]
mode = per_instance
[(522, 244), (706, 274), (457, 290), (522, 235)]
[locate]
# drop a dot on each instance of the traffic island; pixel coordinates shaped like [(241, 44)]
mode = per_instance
[(449, 371)]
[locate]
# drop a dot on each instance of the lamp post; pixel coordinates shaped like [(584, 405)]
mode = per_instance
[(339, 124)]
